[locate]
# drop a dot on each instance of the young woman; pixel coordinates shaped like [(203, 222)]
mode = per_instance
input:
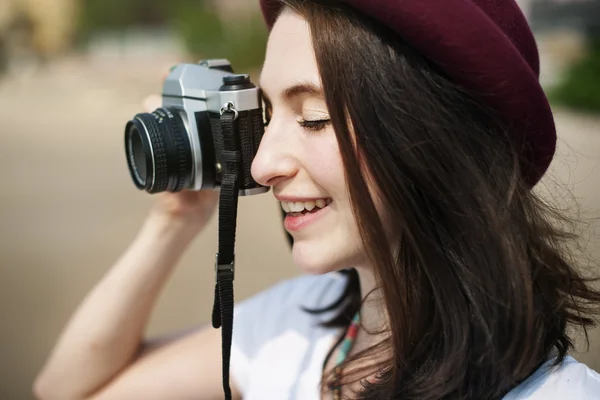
[(403, 141)]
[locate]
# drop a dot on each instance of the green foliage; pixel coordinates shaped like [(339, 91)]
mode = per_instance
[(101, 15), (242, 40), (580, 88)]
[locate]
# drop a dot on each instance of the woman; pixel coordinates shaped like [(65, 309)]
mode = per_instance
[(403, 153)]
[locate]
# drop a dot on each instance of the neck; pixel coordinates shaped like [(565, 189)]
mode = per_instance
[(373, 323), (372, 313)]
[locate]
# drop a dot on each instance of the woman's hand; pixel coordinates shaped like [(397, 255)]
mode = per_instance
[(193, 208), (101, 350)]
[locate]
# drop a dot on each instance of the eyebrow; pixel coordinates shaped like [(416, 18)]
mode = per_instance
[(302, 88), (298, 89)]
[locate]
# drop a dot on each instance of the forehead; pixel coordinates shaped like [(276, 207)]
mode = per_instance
[(290, 56)]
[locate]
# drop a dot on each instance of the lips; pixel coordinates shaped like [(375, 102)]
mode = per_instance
[(301, 214)]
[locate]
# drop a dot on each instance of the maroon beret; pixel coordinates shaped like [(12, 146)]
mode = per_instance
[(485, 46)]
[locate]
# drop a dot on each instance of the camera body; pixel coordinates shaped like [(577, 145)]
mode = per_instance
[(179, 145)]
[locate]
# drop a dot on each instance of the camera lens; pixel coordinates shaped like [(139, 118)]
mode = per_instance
[(138, 161), (158, 151)]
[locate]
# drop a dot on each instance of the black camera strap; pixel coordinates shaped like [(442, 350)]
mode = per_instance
[(222, 316)]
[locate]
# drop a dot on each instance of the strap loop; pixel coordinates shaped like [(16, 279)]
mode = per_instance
[(229, 107)]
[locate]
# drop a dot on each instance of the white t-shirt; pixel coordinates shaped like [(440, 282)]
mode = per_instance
[(278, 349)]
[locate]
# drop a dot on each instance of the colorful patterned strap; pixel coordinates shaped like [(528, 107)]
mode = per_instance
[(345, 348)]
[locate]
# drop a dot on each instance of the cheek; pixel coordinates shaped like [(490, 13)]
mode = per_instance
[(325, 167)]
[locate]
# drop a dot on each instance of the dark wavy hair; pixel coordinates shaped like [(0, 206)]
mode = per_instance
[(483, 285)]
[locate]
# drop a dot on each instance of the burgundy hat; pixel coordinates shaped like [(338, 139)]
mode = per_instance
[(484, 45)]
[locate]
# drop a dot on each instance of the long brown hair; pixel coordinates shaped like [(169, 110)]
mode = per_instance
[(482, 287)]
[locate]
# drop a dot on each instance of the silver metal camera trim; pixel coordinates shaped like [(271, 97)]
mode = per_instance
[(195, 88), (187, 107), (253, 191), (215, 63)]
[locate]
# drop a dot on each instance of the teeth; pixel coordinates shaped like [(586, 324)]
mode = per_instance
[(300, 206)]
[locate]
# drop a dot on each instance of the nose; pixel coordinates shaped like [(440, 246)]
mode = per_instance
[(274, 161)]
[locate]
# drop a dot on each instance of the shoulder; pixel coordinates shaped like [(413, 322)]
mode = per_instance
[(275, 322), (569, 380), (306, 291), (282, 309)]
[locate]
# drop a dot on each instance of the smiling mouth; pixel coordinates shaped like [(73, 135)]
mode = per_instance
[(297, 208)]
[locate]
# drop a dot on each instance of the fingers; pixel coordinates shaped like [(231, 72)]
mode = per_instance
[(152, 102)]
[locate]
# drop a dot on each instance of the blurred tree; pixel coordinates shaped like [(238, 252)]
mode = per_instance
[(580, 87), (210, 34), (33, 32), (205, 31), (100, 15)]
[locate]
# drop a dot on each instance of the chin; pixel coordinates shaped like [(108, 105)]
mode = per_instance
[(316, 258)]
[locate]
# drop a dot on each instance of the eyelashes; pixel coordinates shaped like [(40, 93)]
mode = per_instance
[(310, 125), (314, 125)]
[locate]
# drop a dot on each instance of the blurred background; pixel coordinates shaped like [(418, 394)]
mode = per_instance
[(72, 72)]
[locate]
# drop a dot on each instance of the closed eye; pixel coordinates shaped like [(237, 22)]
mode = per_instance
[(314, 125)]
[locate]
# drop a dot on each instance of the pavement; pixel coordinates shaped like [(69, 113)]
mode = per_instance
[(68, 208)]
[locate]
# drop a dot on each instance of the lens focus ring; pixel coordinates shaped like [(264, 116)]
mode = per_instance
[(184, 157), (158, 151), (161, 177), (178, 149)]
